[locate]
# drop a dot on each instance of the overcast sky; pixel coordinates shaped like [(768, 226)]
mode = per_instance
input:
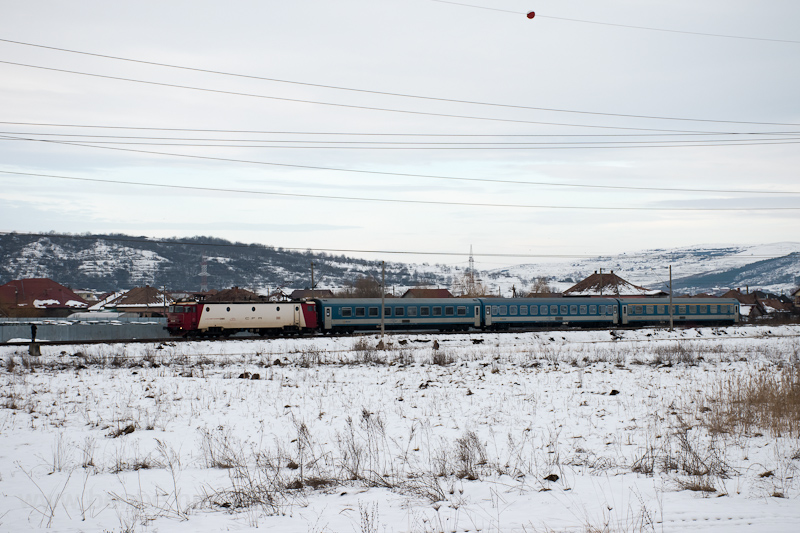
[(551, 80)]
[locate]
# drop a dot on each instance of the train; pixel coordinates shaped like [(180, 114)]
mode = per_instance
[(349, 315)]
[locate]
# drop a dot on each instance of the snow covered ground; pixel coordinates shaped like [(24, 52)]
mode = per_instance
[(548, 431)]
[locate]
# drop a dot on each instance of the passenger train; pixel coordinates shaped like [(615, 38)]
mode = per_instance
[(347, 315)]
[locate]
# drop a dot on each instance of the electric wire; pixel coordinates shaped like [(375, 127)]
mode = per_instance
[(389, 144), (414, 175), (345, 250), (366, 91), (629, 26), (416, 202), (366, 134), (370, 108)]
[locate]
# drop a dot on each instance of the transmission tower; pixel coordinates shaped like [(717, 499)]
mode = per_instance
[(203, 273), (471, 273)]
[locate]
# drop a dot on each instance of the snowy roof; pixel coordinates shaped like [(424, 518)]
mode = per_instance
[(41, 293), (139, 297), (608, 284)]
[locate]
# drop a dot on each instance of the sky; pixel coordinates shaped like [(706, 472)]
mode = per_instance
[(405, 125)]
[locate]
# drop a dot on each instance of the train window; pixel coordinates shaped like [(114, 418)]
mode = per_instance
[(637, 310), (601, 309), (553, 309), (437, 311), (254, 309), (424, 311), (583, 309), (412, 311), (374, 311), (399, 311), (495, 310), (208, 309), (449, 310), (714, 309), (649, 309), (692, 309), (592, 309), (573, 309), (361, 311), (347, 312), (703, 309), (504, 310), (387, 311), (296, 308), (523, 310), (682, 309), (513, 310), (535, 309), (564, 309), (228, 309), (462, 311), (278, 308)]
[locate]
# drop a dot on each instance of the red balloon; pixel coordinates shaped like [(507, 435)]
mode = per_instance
[(531, 15)]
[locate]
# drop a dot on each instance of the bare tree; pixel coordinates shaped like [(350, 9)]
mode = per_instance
[(540, 287)]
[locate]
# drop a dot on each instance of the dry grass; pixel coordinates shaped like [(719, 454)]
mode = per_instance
[(767, 400)]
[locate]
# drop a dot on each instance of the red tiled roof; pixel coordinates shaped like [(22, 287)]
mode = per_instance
[(41, 293), (427, 293)]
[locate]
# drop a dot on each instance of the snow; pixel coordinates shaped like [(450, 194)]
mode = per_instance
[(479, 433), (41, 304)]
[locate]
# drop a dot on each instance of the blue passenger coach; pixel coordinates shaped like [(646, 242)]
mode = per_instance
[(701, 311), (504, 313), (445, 314)]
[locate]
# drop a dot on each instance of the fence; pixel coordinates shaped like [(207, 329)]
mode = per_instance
[(64, 329)]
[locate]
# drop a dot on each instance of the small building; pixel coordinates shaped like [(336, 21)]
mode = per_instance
[(235, 294), (38, 297), (301, 294), (610, 285), (427, 293), (796, 297), (144, 301)]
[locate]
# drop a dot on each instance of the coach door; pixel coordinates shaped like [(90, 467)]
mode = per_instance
[(624, 314), (297, 321), (327, 318), (477, 316), (488, 319)]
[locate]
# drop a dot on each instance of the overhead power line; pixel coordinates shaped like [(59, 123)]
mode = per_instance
[(396, 134), (401, 201), (396, 145), (599, 257), (428, 176), (353, 89), (629, 26)]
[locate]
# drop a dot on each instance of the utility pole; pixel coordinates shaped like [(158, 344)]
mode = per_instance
[(670, 298), (383, 297), (312, 279)]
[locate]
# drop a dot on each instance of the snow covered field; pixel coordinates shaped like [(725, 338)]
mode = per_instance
[(552, 431)]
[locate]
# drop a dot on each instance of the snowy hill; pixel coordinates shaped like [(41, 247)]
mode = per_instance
[(702, 268), (112, 262)]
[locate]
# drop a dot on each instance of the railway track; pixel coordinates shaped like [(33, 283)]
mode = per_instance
[(174, 340)]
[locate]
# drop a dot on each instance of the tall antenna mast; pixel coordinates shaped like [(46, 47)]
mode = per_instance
[(203, 273), (471, 276)]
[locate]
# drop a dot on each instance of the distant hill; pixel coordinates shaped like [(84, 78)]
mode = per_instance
[(695, 269), (111, 262)]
